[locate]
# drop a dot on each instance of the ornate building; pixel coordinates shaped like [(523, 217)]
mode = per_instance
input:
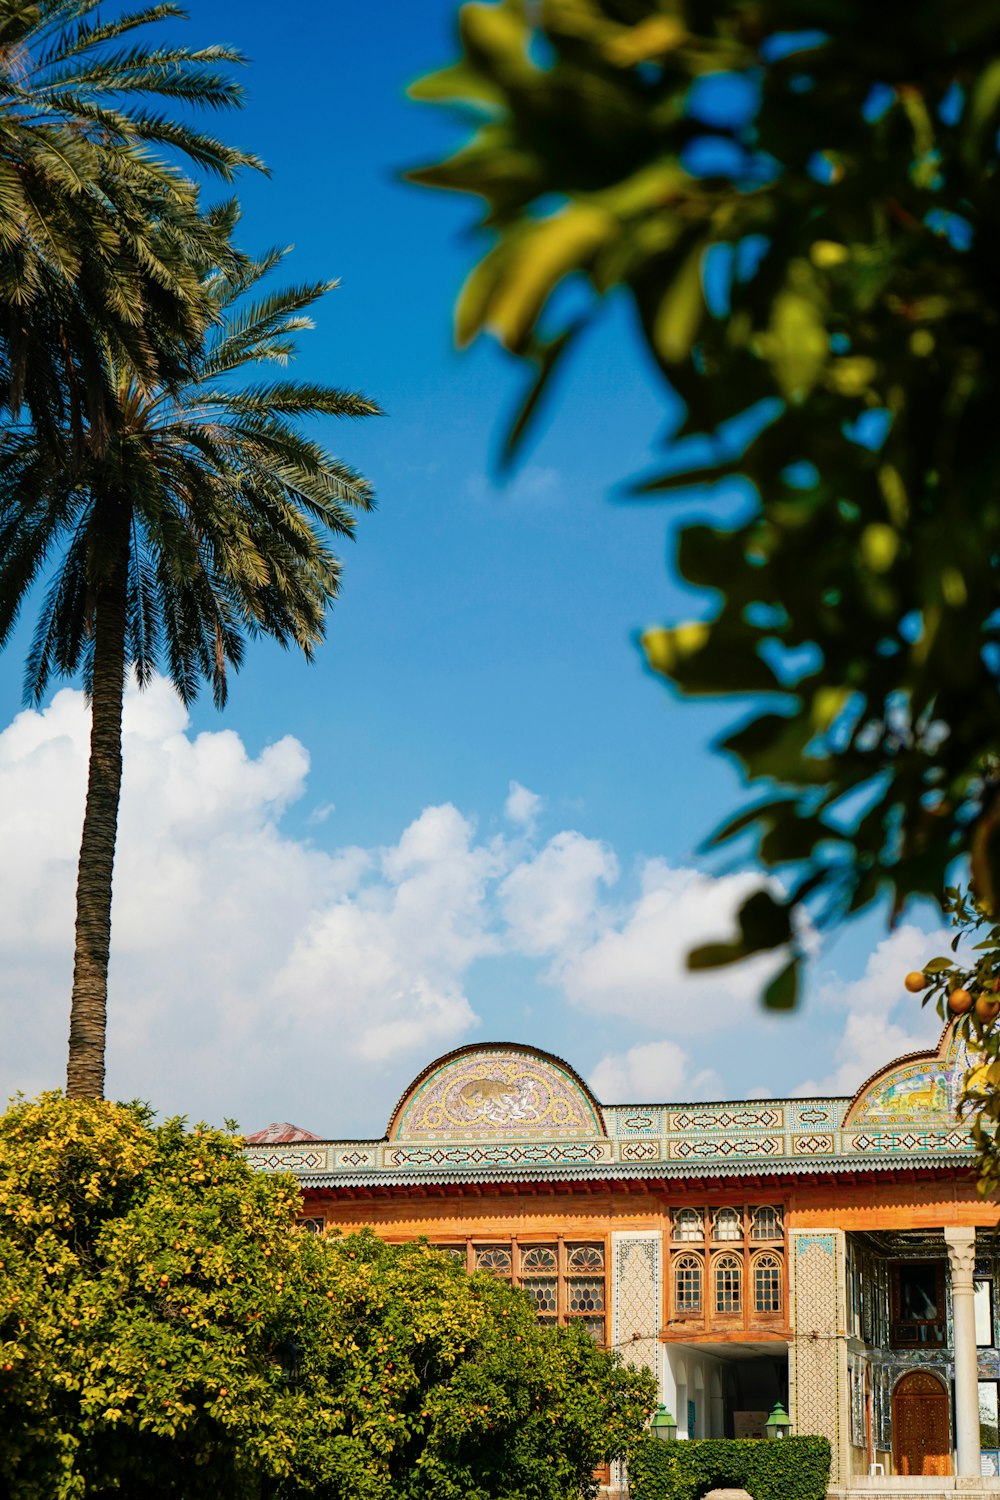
[(831, 1254)]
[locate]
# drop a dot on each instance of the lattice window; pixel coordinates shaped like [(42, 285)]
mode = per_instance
[(544, 1292), (766, 1224), (496, 1259), (687, 1284), (540, 1260), (688, 1225), (566, 1282), (585, 1293), (312, 1226), (727, 1224), (767, 1284), (728, 1276), (588, 1258), (540, 1279)]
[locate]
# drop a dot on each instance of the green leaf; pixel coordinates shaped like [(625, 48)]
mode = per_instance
[(783, 991), (681, 309)]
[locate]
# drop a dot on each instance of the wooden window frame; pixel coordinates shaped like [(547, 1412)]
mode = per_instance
[(562, 1243), (728, 1260), (756, 1311), (677, 1264)]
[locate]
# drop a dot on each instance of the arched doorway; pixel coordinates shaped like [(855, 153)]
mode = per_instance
[(921, 1436)]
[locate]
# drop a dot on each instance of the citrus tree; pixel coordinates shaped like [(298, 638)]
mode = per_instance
[(166, 1330), (800, 199), (964, 987)]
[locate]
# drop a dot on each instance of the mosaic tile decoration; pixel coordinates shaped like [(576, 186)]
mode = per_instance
[(267, 1159), (636, 1296), (498, 1154), (815, 1361), (499, 1111), (913, 1091), (497, 1092)]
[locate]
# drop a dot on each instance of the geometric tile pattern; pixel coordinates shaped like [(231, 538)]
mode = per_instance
[(264, 1160), (497, 1154), (816, 1379), (748, 1147), (728, 1117), (905, 1141), (636, 1298), (813, 1145)]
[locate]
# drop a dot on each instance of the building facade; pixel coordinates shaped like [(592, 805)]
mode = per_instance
[(832, 1254)]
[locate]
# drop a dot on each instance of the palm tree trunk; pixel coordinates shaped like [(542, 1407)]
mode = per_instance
[(89, 1007)]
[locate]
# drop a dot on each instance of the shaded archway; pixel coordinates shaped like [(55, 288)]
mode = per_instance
[(921, 1430)]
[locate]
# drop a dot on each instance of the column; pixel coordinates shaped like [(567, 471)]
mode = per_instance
[(961, 1245)]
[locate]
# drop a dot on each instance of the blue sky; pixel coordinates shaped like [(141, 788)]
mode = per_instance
[(485, 637)]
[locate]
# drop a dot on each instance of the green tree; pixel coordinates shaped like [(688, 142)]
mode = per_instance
[(101, 234), (800, 199), (166, 1331), (201, 518), (964, 988)]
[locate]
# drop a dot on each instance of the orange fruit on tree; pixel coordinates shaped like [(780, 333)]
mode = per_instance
[(916, 981), (987, 1007), (960, 1002)]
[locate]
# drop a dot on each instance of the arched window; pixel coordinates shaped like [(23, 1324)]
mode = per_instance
[(765, 1224), (456, 1252), (688, 1225), (586, 1258), (728, 1274), (727, 1224), (494, 1258), (766, 1284), (539, 1260), (687, 1284)]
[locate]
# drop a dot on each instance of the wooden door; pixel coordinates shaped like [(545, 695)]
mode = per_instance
[(921, 1441)]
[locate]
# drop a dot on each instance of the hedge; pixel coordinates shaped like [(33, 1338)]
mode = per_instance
[(795, 1468)]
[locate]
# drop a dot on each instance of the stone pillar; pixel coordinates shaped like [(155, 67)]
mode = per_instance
[(961, 1245)]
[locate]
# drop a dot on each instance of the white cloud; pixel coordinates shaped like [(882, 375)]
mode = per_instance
[(881, 1019), (651, 1073), (630, 960), (257, 974), (522, 807), (552, 901)]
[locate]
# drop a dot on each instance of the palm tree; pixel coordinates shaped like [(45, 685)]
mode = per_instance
[(203, 519), (100, 229)]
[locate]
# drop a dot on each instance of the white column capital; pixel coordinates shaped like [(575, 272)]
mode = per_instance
[(961, 1246)]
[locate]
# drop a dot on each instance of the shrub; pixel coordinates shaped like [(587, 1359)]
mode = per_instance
[(798, 1468)]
